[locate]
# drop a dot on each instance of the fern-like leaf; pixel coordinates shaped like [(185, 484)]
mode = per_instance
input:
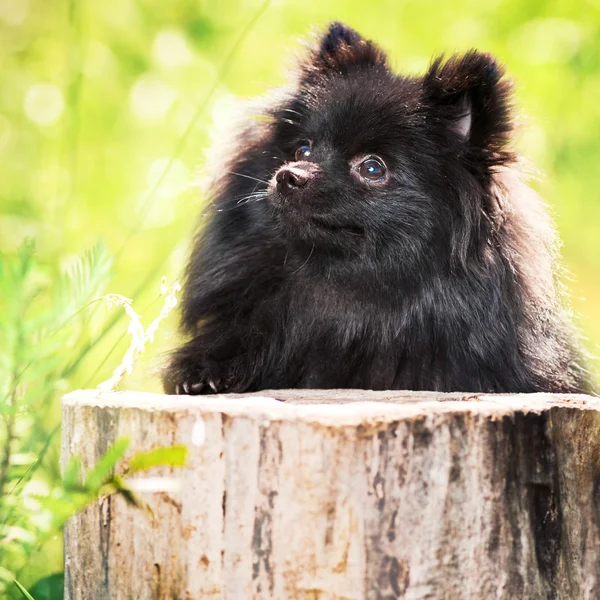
[(84, 280)]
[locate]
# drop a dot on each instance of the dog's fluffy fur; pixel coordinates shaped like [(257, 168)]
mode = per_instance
[(440, 276)]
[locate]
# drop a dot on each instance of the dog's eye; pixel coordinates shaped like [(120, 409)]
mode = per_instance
[(372, 169), (302, 153)]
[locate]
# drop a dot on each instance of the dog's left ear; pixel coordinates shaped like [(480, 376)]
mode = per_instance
[(469, 98), (341, 49)]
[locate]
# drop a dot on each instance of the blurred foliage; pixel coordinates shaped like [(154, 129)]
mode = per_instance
[(43, 323), (44, 316), (107, 110)]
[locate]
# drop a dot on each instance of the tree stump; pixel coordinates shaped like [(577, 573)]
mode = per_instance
[(343, 495)]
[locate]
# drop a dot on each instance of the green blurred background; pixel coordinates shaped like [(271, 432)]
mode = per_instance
[(108, 110), (96, 99)]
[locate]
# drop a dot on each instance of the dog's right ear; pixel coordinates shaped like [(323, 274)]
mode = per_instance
[(468, 97), (341, 50)]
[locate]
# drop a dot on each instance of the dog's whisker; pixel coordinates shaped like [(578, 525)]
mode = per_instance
[(248, 177), (237, 196), (252, 197), (294, 112), (305, 262)]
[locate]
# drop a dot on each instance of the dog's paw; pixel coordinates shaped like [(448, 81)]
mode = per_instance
[(194, 379)]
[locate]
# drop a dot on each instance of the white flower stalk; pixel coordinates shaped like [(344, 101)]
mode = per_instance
[(139, 336)]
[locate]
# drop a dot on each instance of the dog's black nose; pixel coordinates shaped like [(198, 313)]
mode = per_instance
[(289, 178)]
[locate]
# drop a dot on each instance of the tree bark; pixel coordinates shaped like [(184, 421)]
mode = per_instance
[(343, 495)]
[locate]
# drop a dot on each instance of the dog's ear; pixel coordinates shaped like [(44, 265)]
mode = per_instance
[(469, 98), (341, 49)]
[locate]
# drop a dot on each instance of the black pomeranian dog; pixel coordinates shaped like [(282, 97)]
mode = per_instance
[(371, 232)]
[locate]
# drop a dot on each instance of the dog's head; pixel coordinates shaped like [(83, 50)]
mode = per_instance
[(372, 161)]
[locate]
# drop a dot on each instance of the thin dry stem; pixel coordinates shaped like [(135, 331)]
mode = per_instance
[(139, 336)]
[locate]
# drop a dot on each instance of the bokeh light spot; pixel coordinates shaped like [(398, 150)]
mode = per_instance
[(546, 41), (176, 180), (44, 103), (170, 49), (99, 61), (151, 98), (14, 12)]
